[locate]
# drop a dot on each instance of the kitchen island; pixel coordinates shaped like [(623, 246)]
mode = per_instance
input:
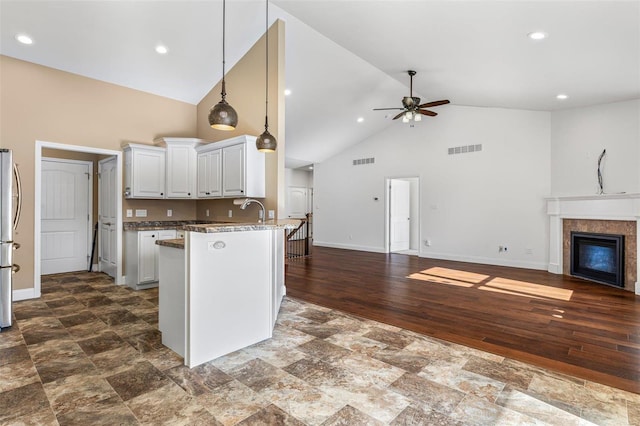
[(221, 287)]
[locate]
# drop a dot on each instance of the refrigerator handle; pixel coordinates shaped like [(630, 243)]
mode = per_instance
[(16, 219)]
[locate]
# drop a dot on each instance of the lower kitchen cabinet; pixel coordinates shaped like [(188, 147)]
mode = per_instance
[(141, 257)]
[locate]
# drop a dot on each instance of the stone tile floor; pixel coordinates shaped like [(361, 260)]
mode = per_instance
[(89, 353)]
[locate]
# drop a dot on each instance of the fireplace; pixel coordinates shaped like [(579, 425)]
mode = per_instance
[(598, 257)]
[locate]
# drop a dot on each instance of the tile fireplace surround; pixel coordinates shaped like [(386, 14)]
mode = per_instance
[(608, 213)]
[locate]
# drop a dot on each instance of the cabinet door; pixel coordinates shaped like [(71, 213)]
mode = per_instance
[(148, 173), (203, 172), (210, 174), (147, 256), (215, 173), (233, 160), (180, 171)]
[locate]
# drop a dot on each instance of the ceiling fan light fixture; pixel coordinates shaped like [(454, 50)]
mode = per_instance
[(417, 117), (405, 119), (222, 116)]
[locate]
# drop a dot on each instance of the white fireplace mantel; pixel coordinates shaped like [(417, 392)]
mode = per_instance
[(595, 207)]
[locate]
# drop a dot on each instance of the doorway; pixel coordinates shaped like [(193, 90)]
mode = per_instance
[(403, 215), (38, 193)]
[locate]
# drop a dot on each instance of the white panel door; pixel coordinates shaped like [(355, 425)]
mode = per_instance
[(297, 202), (65, 215), (107, 174), (400, 217)]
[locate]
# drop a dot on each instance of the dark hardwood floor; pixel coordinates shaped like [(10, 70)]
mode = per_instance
[(575, 327)]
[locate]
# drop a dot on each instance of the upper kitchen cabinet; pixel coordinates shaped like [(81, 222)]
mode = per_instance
[(144, 167), (181, 167), (235, 167)]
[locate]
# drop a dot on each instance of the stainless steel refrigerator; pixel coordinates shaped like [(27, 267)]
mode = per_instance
[(10, 203)]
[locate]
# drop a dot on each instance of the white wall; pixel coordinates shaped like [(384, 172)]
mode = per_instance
[(297, 177), (579, 135), (470, 203)]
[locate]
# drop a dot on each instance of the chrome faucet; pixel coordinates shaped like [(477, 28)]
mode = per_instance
[(243, 203)]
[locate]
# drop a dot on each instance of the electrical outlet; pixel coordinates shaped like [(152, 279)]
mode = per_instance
[(141, 212), (129, 212), (272, 214), (169, 212), (259, 214), (207, 212), (230, 213)]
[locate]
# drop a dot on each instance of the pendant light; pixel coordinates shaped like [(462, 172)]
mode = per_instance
[(266, 142), (222, 116)]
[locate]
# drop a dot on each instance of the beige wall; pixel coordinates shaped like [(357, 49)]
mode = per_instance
[(40, 103), (246, 93)]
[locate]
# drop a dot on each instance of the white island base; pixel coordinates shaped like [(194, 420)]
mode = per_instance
[(221, 293)]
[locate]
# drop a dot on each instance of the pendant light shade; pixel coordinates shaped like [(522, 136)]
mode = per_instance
[(266, 142), (222, 116)]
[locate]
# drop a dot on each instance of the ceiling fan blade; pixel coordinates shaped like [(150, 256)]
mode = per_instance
[(398, 116), (434, 103), (384, 109), (427, 112)]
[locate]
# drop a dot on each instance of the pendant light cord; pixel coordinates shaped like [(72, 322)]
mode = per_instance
[(266, 107), (224, 14)]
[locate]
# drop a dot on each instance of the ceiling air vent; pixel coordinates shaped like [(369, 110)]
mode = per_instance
[(465, 149), (362, 161)]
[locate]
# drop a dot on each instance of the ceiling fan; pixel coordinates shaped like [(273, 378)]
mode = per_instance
[(412, 107)]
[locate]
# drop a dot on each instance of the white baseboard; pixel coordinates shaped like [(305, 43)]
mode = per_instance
[(554, 268), (24, 294), (348, 246), (487, 261)]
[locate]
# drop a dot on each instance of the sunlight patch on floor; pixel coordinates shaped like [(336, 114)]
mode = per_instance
[(438, 280), (439, 275), (523, 288)]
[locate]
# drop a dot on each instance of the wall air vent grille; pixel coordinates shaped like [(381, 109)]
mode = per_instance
[(465, 149), (362, 161)]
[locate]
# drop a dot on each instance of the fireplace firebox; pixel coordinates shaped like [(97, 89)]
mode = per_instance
[(598, 257)]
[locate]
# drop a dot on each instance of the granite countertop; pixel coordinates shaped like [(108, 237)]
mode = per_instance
[(175, 243), (239, 227), (162, 224)]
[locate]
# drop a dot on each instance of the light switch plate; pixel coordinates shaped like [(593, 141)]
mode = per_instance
[(141, 212), (272, 214), (129, 212), (169, 212), (230, 213)]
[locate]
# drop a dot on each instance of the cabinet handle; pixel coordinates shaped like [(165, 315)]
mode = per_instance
[(153, 236), (241, 191), (162, 193), (207, 193), (189, 194)]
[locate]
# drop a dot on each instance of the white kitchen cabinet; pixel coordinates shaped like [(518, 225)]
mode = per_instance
[(210, 174), (144, 167), (142, 256), (234, 168), (181, 167)]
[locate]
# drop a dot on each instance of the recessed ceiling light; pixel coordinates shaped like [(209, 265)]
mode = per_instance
[(360, 119), (537, 35), (287, 92), (161, 49), (562, 96), (24, 39)]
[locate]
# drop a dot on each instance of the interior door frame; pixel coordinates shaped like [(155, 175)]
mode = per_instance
[(387, 212), (89, 195), (38, 197)]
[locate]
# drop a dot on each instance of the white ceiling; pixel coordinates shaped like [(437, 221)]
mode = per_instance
[(345, 58)]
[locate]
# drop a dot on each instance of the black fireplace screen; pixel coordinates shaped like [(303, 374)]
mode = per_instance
[(598, 257)]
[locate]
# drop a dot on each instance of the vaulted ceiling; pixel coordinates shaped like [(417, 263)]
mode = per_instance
[(344, 58)]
